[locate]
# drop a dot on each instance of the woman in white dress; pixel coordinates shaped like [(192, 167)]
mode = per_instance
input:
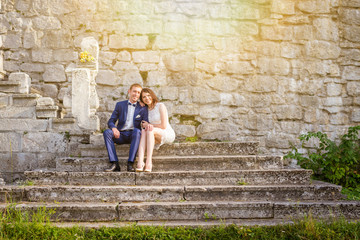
[(155, 133)]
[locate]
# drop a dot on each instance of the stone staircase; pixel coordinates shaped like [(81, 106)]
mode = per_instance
[(203, 183)]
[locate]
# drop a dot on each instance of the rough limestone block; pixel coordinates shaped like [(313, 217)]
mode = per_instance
[(43, 55), (261, 84), (291, 112), (168, 93), (23, 125), (44, 142), (107, 77), (179, 62), (184, 130), (131, 42), (10, 142), (131, 77), (208, 96), (54, 73), (45, 101), (355, 116), (23, 79), (322, 50), (156, 78), (277, 32), (279, 140), (351, 73), (277, 66), (18, 112), (46, 23), (45, 112), (314, 6), (326, 29), (146, 57), (12, 41), (333, 101), (351, 3), (286, 7), (32, 67), (333, 89)]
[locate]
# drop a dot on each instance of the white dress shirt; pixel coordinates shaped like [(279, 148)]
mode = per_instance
[(129, 124)]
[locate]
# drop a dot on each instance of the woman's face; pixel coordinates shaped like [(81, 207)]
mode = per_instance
[(146, 98)]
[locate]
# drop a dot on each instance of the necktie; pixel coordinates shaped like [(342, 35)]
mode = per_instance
[(132, 104)]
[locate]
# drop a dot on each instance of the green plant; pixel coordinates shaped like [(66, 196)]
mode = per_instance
[(191, 139), (336, 163), (241, 182)]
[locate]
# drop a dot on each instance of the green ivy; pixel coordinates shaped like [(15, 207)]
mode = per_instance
[(338, 163)]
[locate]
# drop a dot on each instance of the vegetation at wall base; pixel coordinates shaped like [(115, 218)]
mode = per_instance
[(338, 163), (16, 224)]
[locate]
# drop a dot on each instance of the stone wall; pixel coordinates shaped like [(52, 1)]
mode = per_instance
[(264, 70)]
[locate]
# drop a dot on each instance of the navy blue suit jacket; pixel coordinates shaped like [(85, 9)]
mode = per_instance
[(120, 113)]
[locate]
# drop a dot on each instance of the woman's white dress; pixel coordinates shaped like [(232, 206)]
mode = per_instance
[(168, 134)]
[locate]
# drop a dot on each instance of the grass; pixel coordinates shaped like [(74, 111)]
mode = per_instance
[(15, 224)]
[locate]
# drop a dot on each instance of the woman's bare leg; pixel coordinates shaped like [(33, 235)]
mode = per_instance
[(141, 150), (149, 149)]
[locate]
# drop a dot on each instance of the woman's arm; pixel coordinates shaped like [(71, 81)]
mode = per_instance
[(163, 117)]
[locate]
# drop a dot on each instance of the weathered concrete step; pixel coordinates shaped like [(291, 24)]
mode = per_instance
[(176, 163), (28, 125), (25, 100), (158, 211), (18, 112), (9, 86), (235, 177), (177, 149), (170, 193), (206, 223)]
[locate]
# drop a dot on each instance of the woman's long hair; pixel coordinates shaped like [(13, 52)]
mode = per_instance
[(153, 96)]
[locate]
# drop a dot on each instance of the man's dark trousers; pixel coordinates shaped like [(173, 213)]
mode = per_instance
[(126, 137)]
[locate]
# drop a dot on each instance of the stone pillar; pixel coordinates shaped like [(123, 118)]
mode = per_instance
[(84, 98)]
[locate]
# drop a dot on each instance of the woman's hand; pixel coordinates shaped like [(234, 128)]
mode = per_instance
[(149, 127)]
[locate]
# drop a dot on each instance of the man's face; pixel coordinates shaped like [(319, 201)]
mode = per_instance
[(134, 94)]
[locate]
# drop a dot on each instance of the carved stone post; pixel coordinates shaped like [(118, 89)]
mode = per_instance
[(84, 98)]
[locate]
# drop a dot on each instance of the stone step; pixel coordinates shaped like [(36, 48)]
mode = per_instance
[(9, 86), (28, 125), (174, 178), (18, 112), (25, 100), (171, 193), (176, 163), (206, 223), (177, 149), (190, 211)]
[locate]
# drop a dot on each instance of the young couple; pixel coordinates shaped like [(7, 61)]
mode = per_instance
[(143, 125)]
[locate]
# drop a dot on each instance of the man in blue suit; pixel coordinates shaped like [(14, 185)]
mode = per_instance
[(128, 114)]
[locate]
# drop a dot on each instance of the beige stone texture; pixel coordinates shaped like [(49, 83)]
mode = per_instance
[(351, 73), (277, 66), (239, 67), (43, 55), (289, 112), (12, 41), (223, 83), (130, 42), (322, 50), (286, 7), (277, 32), (355, 115), (156, 78), (46, 23), (353, 88), (107, 77), (185, 130), (261, 84), (131, 77), (146, 57), (314, 6), (326, 29), (179, 62), (54, 73)]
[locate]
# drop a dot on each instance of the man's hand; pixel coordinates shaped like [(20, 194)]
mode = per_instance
[(116, 132)]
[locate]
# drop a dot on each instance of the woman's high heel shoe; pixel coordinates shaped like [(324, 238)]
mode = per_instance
[(140, 169), (147, 170)]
